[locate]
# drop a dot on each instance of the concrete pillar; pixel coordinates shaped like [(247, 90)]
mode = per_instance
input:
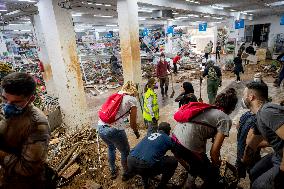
[(129, 40), (3, 47), (43, 56), (58, 31)]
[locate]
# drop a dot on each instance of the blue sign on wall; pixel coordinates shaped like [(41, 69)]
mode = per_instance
[(109, 35), (170, 30), (240, 24), (203, 27), (145, 32), (282, 20)]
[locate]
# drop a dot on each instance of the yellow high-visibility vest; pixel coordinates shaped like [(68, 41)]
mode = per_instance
[(155, 106)]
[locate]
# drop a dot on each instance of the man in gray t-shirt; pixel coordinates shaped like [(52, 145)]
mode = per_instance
[(201, 133), (269, 171), (191, 138)]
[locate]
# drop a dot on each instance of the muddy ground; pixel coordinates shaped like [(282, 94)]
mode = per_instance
[(92, 164)]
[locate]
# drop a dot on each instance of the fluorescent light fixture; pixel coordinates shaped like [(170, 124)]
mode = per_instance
[(13, 12), (106, 16), (77, 14), (175, 13), (217, 7), (22, 30), (144, 10), (218, 18), (141, 18), (107, 5), (278, 3), (232, 10), (111, 25), (103, 16), (3, 10), (207, 16), (251, 14), (170, 19), (98, 4), (196, 16), (244, 13), (196, 2), (181, 17), (29, 1)]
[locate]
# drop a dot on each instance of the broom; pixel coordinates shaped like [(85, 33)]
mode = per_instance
[(173, 92), (200, 83)]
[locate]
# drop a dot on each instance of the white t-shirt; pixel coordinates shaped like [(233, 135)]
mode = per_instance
[(127, 103), (194, 136)]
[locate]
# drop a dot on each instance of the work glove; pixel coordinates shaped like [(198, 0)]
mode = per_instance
[(154, 120), (279, 180), (137, 134)]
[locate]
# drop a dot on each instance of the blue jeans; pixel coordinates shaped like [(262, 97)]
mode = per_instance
[(115, 138), (263, 173)]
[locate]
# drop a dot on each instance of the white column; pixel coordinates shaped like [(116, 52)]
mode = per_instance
[(58, 31), (129, 40), (43, 56)]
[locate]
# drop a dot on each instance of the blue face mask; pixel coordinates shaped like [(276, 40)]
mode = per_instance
[(11, 110)]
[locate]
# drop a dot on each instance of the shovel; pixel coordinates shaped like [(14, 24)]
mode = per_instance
[(173, 92), (200, 99)]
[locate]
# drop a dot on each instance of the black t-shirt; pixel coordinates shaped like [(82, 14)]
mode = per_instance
[(270, 118)]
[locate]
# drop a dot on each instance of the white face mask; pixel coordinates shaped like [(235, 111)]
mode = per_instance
[(162, 59), (244, 106)]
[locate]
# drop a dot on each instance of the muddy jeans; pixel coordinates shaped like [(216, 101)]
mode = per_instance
[(164, 82), (199, 165), (212, 88), (115, 138), (263, 173), (165, 166)]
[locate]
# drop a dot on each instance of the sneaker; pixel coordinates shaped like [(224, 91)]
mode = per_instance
[(113, 175), (238, 81)]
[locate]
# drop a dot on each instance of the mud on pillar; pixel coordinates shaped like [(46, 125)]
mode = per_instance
[(58, 31), (129, 40), (129, 43), (43, 56)]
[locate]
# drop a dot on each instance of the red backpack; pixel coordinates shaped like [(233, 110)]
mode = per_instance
[(110, 108), (189, 111)]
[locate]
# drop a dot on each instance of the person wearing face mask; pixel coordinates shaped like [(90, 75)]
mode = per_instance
[(269, 171), (151, 106), (24, 135), (163, 69)]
